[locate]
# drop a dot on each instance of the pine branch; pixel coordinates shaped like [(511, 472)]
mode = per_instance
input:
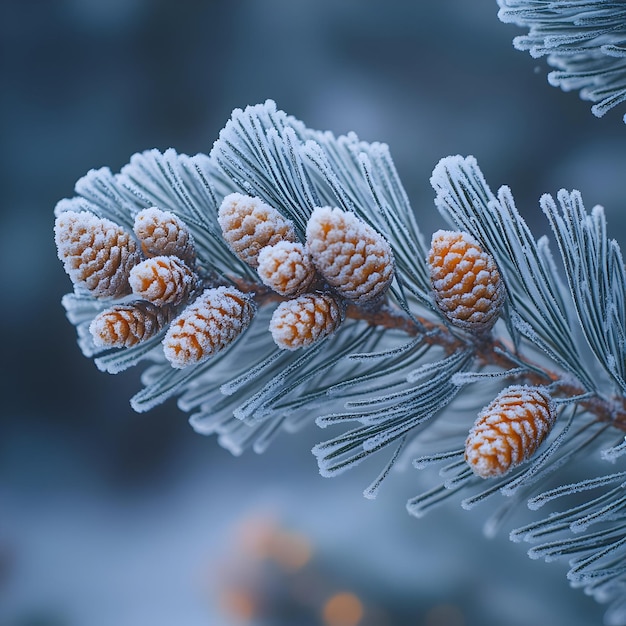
[(283, 281), (584, 40)]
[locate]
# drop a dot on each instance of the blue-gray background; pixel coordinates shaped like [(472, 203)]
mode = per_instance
[(109, 517)]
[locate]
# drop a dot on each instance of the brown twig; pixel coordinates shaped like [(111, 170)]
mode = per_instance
[(489, 351)]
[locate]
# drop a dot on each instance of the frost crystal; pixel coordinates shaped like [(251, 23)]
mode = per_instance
[(355, 259), (304, 320), (286, 267), (162, 233), (466, 282), (210, 324), (509, 430), (162, 280), (97, 253), (248, 224), (124, 326)]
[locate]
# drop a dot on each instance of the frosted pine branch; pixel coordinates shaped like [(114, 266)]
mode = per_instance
[(282, 281), (584, 40)]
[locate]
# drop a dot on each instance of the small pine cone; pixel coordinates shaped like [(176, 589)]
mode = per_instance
[(124, 326), (97, 253), (163, 280), (162, 233), (466, 282), (304, 320), (286, 268), (354, 259), (509, 430), (248, 224), (212, 322)]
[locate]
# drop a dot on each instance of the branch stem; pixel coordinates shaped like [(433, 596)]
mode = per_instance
[(488, 351)]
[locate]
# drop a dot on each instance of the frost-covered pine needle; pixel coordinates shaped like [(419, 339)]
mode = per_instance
[(583, 40)]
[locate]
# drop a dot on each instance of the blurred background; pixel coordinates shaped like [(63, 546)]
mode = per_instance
[(110, 517)]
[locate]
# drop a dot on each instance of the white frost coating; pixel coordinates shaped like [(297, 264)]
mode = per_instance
[(286, 267), (124, 326), (613, 453), (96, 252), (304, 320), (509, 430), (582, 40), (248, 225), (210, 324), (162, 280), (356, 260), (466, 282), (162, 233)]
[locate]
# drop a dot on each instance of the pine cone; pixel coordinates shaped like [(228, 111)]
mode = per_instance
[(466, 282), (353, 258), (304, 320), (163, 280), (97, 253), (286, 268), (162, 233), (248, 224), (124, 326), (210, 324), (509, 430)]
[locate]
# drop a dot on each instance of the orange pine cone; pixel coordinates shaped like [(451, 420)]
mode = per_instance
[(97, 253), (216, 318), (509, 430), (162, 280), (286, 268), (162, 233), (124, 326), (353, 258), (304, 320), (466, 282), (248, 224)]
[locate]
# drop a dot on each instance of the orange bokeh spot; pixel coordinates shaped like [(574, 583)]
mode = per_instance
[(291, 551), (262, 539), (342, 609), (239, 604)]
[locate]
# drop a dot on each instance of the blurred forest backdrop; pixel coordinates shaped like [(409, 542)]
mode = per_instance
[(110, 517)]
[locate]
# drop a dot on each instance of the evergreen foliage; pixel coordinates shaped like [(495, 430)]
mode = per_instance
[(394, 374), (583, 39)]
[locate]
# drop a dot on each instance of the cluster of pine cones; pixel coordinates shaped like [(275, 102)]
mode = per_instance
[(151, 275)]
